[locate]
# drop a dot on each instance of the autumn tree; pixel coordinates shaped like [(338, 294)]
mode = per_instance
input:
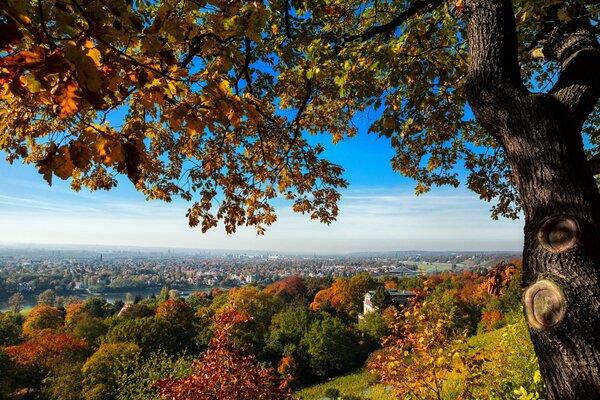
[(43, 356), (289, 289), (259, 304), (345, 295), (41, 318), (105, 367), (176, 312), (224, 372), (215, 100), (423, 354)]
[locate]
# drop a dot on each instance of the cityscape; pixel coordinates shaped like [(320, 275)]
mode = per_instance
[(116, 272)]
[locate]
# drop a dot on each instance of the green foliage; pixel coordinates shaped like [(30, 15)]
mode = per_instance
[(6, 372), (197, 300), (511, 370), (136, 381), (381, 298), (373, 329), (9, 330), (359, 383), (330, 347), (150, 334), (91, 329), (105, 367), (65, 381), (262, 306), (98, 307), (287, 330), (286, 338)]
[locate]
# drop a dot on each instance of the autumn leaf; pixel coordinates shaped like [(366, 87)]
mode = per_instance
[(29, 81), (537, 54), (62, 165), (85, 65), (26, 58), (44, 165), (66, 99), (133, 160)]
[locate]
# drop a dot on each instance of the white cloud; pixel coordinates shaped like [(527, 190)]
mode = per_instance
[(370, 219)]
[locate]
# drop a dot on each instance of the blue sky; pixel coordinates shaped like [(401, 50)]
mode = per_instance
[(378, 212)]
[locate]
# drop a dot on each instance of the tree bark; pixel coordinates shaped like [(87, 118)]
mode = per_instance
[(541, 135)]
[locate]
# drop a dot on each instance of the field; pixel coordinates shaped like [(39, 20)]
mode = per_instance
[(433, 267), (358, 383)]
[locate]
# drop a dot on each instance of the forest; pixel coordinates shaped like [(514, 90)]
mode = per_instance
[(269, 342)]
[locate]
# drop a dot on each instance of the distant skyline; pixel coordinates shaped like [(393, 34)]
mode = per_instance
[(378, 212)]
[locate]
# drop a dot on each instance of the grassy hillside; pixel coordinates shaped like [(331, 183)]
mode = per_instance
[(508, 347), (358, 383)]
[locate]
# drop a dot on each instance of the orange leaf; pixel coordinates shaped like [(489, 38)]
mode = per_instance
[(67, 100)]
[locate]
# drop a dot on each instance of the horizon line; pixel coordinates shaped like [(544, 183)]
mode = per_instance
[(70, 246)]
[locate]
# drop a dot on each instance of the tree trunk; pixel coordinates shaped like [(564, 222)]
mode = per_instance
[(541, 136)]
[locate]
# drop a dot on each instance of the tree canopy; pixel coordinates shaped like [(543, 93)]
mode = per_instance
[(213, 100)]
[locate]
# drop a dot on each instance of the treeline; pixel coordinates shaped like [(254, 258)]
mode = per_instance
[(253, 341)]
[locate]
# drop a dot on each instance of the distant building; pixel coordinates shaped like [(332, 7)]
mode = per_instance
[(24, 287), (398, 297)]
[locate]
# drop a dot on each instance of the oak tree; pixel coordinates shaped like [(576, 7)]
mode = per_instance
[(214, 101)]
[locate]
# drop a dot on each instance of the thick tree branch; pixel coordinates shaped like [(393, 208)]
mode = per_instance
[(415, 8), (493, 54), (574, 45)]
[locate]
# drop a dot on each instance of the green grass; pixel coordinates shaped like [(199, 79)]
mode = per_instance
[(516, 354), (26, 310), (359, 383), (430, 267)]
